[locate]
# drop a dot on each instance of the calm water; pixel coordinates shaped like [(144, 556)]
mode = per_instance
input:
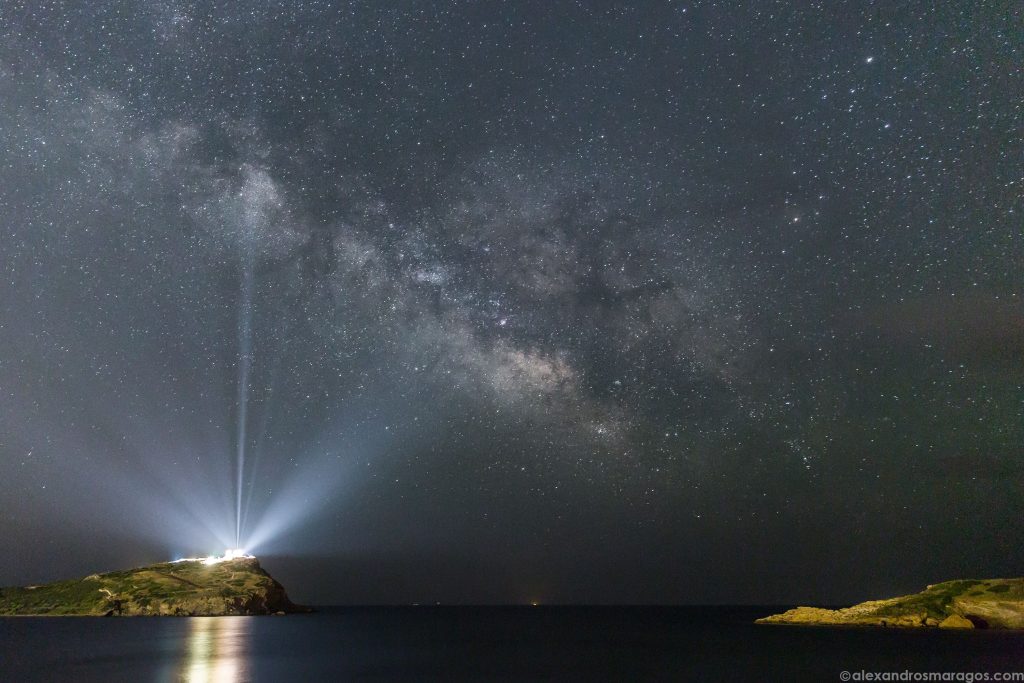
[(407, 644)]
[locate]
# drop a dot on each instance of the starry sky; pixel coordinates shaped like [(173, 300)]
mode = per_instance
[(500, 302)]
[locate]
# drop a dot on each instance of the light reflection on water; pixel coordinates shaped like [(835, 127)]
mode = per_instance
[(215, 650)]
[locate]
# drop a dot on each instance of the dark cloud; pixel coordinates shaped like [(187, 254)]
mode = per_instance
[(985, 327)]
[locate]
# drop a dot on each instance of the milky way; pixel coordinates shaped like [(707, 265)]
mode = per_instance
[(549, 300)]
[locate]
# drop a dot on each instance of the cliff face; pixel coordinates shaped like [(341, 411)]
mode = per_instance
[(988, 603), (186, 588)]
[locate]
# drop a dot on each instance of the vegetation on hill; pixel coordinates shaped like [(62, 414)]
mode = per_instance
[(966, 603), (185, 588)]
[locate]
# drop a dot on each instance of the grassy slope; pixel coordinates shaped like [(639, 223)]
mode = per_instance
[(996, 603), (141, 589), (936, 601)]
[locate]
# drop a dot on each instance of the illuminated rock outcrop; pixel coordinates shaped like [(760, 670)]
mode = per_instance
[(969, 603), (237, 586)]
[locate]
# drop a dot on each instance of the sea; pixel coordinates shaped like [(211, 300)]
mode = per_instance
[(495, 644)]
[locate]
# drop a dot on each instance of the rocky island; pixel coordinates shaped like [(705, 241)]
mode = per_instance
[(968, 603), (193, 587)]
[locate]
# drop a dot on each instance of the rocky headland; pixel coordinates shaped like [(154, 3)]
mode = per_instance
[(236, 586), (967, 603)]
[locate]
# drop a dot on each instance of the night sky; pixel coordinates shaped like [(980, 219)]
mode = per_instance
[(653, 302)]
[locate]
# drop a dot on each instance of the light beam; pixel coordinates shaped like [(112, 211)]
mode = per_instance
[(244, 367)]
